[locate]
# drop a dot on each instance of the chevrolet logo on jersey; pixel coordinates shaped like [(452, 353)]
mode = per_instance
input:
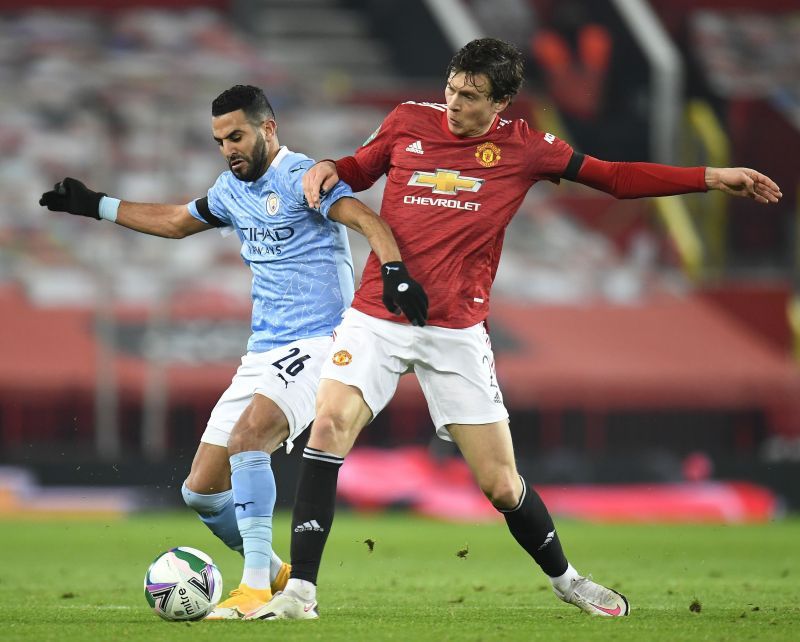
[(446, 181)]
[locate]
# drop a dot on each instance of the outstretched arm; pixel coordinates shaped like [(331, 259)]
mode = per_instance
[(169, 221), (743, 181), (635, 180), (400, 291)]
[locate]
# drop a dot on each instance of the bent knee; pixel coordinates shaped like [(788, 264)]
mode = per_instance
[(204, 502), (210, 472), (205, 482), (190, 496), (330, 426), (503, 491), (334, 432)]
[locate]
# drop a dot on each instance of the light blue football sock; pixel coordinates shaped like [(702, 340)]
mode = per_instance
[(218, 513), (254, 500)]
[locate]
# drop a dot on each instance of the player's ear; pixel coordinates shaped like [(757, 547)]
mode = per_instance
[(269, 127), (500, 105)]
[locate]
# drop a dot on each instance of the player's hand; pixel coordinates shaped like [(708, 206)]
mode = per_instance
[(401, 292), (318, 181), (743, 181), (70, 195)]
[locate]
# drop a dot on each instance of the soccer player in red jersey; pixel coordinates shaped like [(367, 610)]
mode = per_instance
[(456, 174)]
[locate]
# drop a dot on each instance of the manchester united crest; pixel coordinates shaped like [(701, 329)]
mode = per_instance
[(342, 358), (488, 154)]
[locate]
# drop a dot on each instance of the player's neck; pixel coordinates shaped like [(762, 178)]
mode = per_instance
[(485, 130), (272, 151)]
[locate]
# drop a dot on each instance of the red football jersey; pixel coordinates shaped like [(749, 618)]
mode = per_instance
[(448, 201)]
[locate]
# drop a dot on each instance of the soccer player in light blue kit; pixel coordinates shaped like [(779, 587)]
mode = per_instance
[(302, 284)]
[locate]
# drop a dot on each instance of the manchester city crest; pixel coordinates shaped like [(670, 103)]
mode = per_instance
[(273, 202)]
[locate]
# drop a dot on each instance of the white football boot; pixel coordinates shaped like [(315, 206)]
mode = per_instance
[(594, 598)]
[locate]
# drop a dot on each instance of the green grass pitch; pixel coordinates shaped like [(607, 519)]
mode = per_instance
[(82, 580)]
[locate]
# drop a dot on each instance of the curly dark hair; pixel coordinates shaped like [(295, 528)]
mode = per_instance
[(251, 100), (500, 61)]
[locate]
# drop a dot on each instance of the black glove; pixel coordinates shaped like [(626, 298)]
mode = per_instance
[(72, 196), (401, 292)]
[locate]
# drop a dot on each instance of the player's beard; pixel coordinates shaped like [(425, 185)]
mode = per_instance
[(256, 163)]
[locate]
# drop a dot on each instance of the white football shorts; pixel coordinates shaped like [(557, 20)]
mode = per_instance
[(288, 375), (455, 367)]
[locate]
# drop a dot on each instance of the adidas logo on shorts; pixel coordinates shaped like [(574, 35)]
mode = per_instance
[(313, 525)]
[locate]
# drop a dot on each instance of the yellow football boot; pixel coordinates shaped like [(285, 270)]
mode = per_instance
[(279, 583), (241, 601)]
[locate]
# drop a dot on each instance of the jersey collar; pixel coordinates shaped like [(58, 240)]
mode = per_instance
[(283, 151)]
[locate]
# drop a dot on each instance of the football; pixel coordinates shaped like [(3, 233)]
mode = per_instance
[(182, 584)]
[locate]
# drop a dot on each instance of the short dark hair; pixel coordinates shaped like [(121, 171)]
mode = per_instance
[(500, 61), (251, 100)]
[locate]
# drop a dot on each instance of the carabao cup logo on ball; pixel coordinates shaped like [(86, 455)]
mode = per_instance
[(183, 584)]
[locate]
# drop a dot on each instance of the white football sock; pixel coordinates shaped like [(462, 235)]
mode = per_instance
[(562, 582), (256, 578), (305, 589)]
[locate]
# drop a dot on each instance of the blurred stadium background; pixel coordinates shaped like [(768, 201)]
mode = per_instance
[(648, 349)]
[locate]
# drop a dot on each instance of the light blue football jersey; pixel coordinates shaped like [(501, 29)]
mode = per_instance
[(302, 268)]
